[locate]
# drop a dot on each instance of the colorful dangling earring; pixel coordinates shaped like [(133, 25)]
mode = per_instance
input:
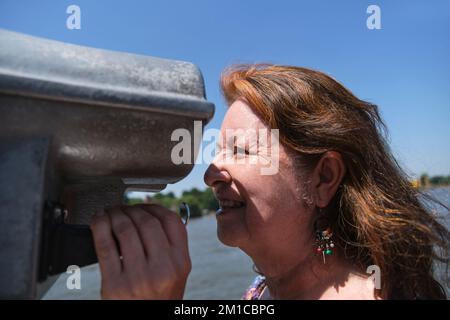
[(324, 243)]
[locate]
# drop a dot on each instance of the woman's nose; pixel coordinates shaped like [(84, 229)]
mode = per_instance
[(214, 174)]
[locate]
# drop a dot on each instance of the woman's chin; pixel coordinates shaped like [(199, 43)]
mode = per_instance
[(229, 236), (231, 226)]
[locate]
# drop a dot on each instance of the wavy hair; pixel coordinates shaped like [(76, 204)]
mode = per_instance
[(380, 219)]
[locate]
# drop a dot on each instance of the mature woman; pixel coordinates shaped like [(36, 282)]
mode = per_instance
[(337, 205)]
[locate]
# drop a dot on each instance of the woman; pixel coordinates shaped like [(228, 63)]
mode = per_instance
[(337, 205)]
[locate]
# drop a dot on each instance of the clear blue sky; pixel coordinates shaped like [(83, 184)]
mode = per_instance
[(404, 67)]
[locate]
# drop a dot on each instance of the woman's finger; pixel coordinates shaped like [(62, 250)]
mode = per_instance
[(173, 227), (151, 232), (129, 241), (105, 246), (177, 235)]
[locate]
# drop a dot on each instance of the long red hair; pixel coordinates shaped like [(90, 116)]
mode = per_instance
[(379, 217)]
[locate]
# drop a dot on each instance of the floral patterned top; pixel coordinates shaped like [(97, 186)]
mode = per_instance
[(256, 289)]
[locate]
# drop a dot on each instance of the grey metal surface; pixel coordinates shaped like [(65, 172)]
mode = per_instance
[(22, 174), (108, 118), (56, 70), (111, 114)]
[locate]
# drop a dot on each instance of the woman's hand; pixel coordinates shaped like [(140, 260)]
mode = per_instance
[(142, 251)]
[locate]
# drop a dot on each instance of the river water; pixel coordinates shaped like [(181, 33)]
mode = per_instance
[(218, 272)]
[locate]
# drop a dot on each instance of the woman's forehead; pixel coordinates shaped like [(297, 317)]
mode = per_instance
[(240, 116)]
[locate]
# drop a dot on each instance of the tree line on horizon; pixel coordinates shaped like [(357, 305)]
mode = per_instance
[(200, 202), (434, 181), (203, 202)]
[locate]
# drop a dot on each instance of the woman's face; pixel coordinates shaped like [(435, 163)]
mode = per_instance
[(268, 215)]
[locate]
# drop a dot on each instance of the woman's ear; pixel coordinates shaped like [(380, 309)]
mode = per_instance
[(327, 177)]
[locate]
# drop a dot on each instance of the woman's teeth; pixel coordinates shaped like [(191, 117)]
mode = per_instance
[(231, 204)]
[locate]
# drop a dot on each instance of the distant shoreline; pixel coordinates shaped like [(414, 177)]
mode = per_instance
[(445, 186)]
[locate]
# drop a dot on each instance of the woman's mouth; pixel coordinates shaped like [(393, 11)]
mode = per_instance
[(227, 205)]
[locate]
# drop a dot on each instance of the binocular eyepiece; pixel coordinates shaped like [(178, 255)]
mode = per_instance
[(79, 127)]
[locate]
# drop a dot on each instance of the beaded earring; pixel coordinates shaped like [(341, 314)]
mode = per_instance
[(324, 243)]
